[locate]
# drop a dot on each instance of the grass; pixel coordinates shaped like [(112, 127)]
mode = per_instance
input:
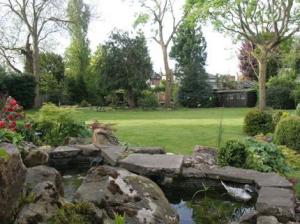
[(4, 154), (178, 131)]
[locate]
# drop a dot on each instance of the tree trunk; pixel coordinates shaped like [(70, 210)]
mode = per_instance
[(130, 98), (36, 71), (169, 78), (262, 61)]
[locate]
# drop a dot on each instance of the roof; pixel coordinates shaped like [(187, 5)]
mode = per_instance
[(235, 91), (156, 76)]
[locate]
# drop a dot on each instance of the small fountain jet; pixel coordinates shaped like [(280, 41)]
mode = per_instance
[(239, 194)]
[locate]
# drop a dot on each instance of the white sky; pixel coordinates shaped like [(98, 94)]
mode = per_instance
[(222, 53)]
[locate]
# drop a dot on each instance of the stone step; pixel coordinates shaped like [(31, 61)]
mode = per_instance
[(149, 165)]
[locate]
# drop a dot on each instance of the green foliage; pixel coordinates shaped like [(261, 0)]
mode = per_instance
[(3, 154), (292, 157), (80, 213), (19, 86), (232, 154), (280, 93), (277, 116), (127, 64), (56, 124), (288, 132), (265, 157), (257, 122), (119, 219), (10, 136), (189, 51), (298, 110), (52, 76), (78, 53), (84, 103), (148, 100), (296, 94)]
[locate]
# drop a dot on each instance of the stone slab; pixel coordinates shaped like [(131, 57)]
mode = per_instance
[(112, 154), (272, 180), (147, 150), (278, 202), (146, 164), (64, 152)]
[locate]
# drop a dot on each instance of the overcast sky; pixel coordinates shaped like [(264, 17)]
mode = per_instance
[(222, 53)]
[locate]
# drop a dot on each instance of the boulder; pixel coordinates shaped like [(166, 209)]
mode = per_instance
[(112, 154), (119, 191), (267, 220), (43, 206), (249, 217), (38, 174), (36, 158), (12, 178)]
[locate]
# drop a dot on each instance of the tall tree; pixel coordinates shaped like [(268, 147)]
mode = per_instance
[(37, 18), (78, 54), (159, 12), (189, 51), (127, 64), (263, 23)]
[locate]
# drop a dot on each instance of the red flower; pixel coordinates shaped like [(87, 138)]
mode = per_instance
[(10, 117), (3, 124), (13, 102)]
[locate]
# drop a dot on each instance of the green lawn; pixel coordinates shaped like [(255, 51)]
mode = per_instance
[(178, 131)]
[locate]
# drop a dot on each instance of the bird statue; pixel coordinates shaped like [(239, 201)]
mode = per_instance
[(239, 194)]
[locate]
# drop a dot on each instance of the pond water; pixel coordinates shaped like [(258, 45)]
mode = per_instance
[(209, 207)]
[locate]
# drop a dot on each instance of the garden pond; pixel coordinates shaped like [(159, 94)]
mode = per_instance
[(214, 206)]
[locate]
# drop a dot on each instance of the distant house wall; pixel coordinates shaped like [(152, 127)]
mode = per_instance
[(236, 98)]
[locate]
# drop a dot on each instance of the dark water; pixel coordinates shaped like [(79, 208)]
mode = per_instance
[(210, 207)]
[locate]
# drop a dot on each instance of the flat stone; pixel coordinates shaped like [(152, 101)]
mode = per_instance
[(190, 172), (64, 152), (272, 180), (146, 164), (112, 154), (249, 217), (277, 202), (147, 150), (233, 174)]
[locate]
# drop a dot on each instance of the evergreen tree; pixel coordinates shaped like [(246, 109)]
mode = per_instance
[(78, 54), (189, 51)]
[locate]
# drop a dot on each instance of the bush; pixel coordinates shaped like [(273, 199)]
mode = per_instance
[(232, 154), (148, 100), (298, 110), (56, 124), (296, 94), (292, 157), (257, 122), (277, 116), (264, 157), (84, 103), (288, 132), (19, 86), (280, 93)]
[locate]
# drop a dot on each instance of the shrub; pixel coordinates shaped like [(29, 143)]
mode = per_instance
[(56, 124), (21, 87), (84, 103), (264, 157), (298, 110), (257, 122), (296, 94), (232, 154), (292, 157), (280, 93), (148, 100), (288, 132), (277, 116)]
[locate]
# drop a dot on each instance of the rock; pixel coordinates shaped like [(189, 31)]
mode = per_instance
[(78, 140), (38, 174), (277, 202), (43, 206), (112, 154), (272, 180), (36, 158), (147, 150), (12, 178), (45, 148), (267, 220), (205, 155), (119, 191), (75, 157), (249, 217), (149, 165), (103, 135)]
